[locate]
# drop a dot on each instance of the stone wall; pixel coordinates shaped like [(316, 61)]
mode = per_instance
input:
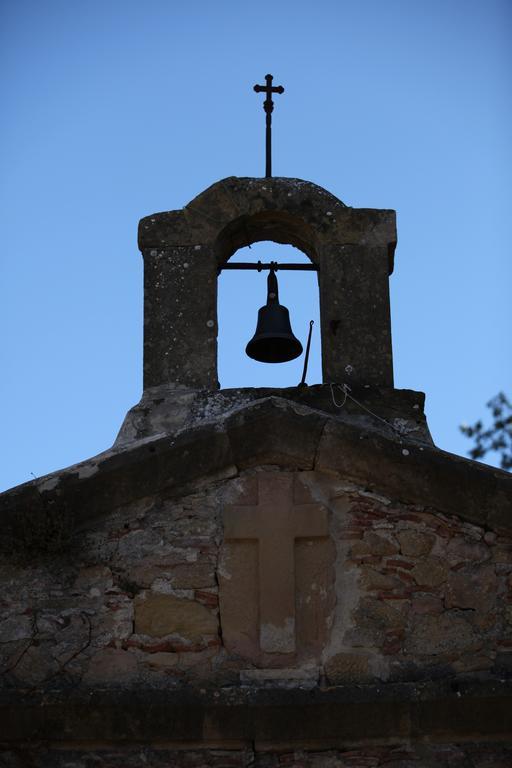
[(485, 755), (403, 593)]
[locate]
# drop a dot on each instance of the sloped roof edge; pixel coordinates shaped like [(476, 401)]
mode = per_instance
[(270, 431)]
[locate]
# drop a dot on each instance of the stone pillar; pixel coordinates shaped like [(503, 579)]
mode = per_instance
[(355, 315), (180, 317)]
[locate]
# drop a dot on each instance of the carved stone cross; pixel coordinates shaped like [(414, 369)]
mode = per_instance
[(276, 522)]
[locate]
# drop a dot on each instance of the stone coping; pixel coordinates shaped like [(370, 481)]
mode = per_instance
[(271, 431), (237, 211), (448, 710), (166, 409)]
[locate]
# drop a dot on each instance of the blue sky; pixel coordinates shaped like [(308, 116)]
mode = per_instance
[(116, 110)]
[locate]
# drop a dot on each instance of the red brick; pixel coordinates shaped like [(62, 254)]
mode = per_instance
[(392, 595), (206, 598), (413, 518), (405, 577)]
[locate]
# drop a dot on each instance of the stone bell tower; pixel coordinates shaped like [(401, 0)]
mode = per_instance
[(184, 250), (261, 577)]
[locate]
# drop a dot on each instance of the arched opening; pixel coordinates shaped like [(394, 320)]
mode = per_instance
[(279, 226), (240, 295)]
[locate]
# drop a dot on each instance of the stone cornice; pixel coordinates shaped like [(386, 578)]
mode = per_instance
[(270, 431), (276, 718)]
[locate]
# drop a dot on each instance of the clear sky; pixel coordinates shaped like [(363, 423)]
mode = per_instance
[(115, 110)]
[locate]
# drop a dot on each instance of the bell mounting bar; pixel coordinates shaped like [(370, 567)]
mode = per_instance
[(273, 265)]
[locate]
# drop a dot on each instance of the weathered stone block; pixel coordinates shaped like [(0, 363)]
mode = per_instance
[(371, 620), (161, 660), (95, 580), (111, 666), (158, 615), (372, 579), (472, 587), (427, 604), (381, 543), (294, 429), (180, 334), (432, 635), (430, 573), (112, 622), (473, 663), (15, 628), (415, 543), (347, 668), (35, 665), (462, 549)]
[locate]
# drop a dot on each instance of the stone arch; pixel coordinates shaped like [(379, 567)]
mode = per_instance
[(183, 250), (277, 226), (286, 211)]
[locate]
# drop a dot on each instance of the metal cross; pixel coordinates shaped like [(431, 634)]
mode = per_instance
[(268, 106)]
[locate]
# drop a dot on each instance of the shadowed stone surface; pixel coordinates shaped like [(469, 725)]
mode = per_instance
[(268, 431), (267, 577), (137, 604), (163, 410), (347, 714), (159, 615), (347, 668)]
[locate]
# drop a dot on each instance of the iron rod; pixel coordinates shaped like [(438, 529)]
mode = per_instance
[(259, 266), (268, 143), (306, 358), (268, 105)]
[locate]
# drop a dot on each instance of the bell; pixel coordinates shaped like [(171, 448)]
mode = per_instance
[(273, 341)]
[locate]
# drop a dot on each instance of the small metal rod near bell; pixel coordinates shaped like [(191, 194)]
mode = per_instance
[(306, 356), (273, 340)]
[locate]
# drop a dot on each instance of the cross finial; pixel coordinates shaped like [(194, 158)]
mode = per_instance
[(268, 106)]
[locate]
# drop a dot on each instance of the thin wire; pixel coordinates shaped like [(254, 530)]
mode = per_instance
[(343, 389), (346, 391)]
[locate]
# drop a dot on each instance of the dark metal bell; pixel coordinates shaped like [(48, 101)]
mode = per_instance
[(273, 341)]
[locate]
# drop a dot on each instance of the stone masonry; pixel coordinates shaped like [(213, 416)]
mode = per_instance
[(417, 595), (183, 251), (143, 626), (261, 577)]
